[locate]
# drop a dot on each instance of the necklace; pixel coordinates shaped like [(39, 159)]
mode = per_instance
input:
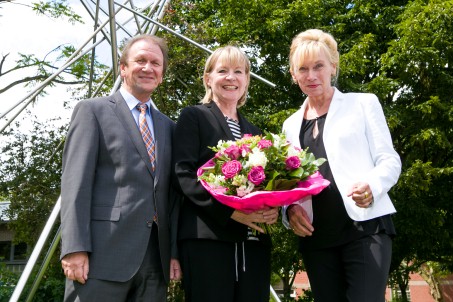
[(231, 119)]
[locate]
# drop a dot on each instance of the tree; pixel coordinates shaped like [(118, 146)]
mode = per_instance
[(399, 50), (286, 261), (44, 68), (30, 173), (78, 77), (30, 176), (419, 65)]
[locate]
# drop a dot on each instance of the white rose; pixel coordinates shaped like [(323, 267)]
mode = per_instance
[(256, 158), (292, 151)]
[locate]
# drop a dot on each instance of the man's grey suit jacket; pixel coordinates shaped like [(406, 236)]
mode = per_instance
[(108, 190)]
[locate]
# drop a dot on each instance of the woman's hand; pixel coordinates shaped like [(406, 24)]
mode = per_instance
[(299, 221), (268, 216), (361, 193)]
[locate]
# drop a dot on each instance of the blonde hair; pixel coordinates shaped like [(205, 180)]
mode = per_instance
[(229, 55), (309, 44)]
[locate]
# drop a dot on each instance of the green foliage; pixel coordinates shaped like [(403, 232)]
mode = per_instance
[(285, 257), (8, 281), (51, 287), (57, 9), (30, 177), (307, 296), (268, 120), (400, 50)]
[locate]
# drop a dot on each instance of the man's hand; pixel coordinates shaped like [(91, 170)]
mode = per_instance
[(175, 270), (75, 266)]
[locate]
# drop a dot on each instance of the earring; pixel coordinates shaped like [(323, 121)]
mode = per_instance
[(333, 80)]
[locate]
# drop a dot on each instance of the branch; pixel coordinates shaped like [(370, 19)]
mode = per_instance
[(37, 78), (17, 67), (23, 80), (3, 60)]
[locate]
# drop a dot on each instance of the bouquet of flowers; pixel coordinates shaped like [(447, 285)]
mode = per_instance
[(256, 172)]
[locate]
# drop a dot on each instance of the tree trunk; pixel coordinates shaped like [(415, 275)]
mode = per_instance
[(429, 276)]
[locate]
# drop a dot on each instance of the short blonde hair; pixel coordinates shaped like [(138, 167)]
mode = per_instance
[(230, 55), (309, 44)]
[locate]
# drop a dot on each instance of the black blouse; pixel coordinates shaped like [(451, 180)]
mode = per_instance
[(332, 224)]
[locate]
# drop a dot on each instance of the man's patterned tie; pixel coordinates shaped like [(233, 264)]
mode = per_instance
[(149, 143), (146, 134)]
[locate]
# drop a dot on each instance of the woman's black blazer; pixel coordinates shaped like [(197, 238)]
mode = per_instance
[(201, 216)]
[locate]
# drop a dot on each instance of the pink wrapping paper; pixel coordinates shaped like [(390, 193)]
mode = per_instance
[(262, 199)]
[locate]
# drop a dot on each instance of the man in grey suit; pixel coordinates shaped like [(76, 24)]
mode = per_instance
[(119, 211)]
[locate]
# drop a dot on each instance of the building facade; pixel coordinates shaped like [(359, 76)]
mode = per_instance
[(13, 255)]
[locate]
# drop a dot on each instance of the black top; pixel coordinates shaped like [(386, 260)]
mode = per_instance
[(201, 216), (332, 224)]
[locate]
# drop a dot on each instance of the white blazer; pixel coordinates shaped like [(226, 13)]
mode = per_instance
[(358, 147)]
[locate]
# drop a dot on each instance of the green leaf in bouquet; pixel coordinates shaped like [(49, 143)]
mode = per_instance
[(318, 162), (307, 159), (285, 184), (270, 184), (306, 174), (298, 173)]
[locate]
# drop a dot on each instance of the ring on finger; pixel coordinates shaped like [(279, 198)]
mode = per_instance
[(366, 194)]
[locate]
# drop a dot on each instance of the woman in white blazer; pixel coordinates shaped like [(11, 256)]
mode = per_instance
[(345, 232)]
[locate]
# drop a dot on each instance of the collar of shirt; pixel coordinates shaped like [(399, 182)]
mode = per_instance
[(132, 102)]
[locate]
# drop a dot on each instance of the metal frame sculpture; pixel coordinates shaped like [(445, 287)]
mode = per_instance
[(156, 10)]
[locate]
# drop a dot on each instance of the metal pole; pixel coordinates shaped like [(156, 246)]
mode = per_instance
[(190, 41), (55, 213), (56, 73), (36, 251), (160, 14), (44, 265), (113, 44), (274, 294), (34, 93)]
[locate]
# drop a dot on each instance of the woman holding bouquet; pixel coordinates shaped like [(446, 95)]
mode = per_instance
[(221, 259), (346, 231)]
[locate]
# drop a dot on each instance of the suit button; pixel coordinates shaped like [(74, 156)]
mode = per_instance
[(149, 224)]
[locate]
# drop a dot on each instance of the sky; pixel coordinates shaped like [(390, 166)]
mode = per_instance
[(22, 30)]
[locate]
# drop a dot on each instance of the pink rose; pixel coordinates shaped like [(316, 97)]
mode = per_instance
[(233, 152), (292, 162), (247, 135), (264, 143), (256, 175), (231, 168)]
